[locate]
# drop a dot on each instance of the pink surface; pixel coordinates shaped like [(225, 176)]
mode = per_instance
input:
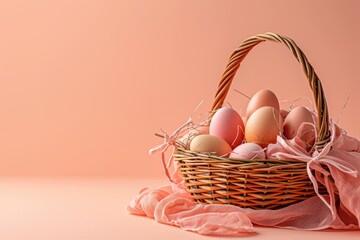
[(84, 84), (39, 209)]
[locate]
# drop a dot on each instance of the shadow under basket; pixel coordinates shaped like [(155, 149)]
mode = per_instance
[(260, 184)]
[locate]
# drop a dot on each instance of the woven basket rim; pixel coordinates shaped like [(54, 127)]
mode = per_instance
[(213, 158)]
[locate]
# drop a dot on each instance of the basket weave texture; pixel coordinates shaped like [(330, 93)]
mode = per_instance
[(257, 184)]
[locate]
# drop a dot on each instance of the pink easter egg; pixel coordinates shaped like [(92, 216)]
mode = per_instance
[(248, 151), (228, 125)]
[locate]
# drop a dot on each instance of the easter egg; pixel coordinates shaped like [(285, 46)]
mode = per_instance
[(263, 126), (295, 119), (228, 125), (248, 151), (260, 99), (210, 144)]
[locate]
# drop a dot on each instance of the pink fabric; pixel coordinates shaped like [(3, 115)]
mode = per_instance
[(341, 155), (340, 209), (170, 141), (174, 207)]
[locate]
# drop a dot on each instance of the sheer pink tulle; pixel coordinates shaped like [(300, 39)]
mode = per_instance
[(339, 209)]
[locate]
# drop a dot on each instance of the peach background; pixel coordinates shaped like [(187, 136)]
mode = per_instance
[(85, 84)]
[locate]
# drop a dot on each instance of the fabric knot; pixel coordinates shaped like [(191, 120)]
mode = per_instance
[(315, 159), (170, 140)]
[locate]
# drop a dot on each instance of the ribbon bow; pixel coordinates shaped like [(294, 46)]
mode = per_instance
[(316, 162)]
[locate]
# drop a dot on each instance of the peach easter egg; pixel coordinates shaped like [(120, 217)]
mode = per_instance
[(295, 119), (263, 126), (210, 144), (260, 99)]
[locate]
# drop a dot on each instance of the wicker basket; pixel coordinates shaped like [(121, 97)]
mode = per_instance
[(256, 184)]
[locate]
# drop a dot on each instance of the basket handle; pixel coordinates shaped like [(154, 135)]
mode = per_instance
[(240, 53)]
